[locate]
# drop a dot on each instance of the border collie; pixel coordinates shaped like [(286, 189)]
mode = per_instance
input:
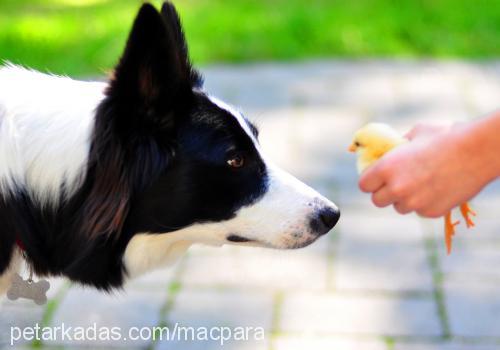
[(100, 182)]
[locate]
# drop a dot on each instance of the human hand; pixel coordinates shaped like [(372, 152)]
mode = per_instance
[(442, 166)]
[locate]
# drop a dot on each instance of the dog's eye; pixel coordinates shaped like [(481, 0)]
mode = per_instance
[(236, 162)]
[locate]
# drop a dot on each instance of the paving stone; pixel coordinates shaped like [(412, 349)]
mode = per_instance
[(483, 89), (159, 279), (213, 344), (369, 89), (18, 316), (429, 82), (315, 83), (472, 264), (259, 268), (473, 309), (383, 226), (383, 251), (309, 145), (362, 315), (263, 89), (486, 204), (326, 343), (474, 250), (23, 313), (485, 233), (446, 346), (87, 307), (221, 308), (375, 266)]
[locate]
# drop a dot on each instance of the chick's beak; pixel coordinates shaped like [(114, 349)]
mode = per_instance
[(352, 148)]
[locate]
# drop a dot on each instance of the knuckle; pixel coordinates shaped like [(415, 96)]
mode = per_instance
[(398, 189), (382, 168), (414, 204), (386, 167)]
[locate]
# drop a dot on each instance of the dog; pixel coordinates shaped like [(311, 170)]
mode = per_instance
[(102, 182)]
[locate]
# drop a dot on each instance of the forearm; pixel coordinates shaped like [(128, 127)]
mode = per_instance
[(480, 143)]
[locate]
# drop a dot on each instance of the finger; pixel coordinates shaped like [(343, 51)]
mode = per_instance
[(402, 208), (371, 180), (383, 197)]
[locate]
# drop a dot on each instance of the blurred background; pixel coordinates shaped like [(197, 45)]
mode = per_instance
[(310, 72), (85, 37)]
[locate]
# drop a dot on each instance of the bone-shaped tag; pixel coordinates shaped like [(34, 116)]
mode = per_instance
[(28, 289)]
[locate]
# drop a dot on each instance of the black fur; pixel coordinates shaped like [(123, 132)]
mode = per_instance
[(158, 163)]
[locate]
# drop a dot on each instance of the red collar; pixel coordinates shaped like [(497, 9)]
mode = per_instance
[(20, 244)]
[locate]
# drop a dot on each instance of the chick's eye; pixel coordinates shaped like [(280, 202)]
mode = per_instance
[(357, 144), (236, 162)]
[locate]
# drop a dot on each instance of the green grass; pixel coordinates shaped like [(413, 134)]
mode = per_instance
[(85, 37)]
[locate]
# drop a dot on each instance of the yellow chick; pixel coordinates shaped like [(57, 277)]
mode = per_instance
[(374, 140)]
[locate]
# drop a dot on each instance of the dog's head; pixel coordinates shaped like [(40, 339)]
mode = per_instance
[(171, 159)]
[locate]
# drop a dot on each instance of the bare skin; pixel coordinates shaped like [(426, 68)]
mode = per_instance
[(442, 167)]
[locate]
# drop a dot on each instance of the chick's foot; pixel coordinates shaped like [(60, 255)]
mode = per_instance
[(467, 212), (449, 231)]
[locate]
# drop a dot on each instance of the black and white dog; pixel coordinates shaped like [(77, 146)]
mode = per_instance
[(104, 181)]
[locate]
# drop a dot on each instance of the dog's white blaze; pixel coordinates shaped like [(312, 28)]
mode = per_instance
[(280, 219), (45, 129), (236, 114)]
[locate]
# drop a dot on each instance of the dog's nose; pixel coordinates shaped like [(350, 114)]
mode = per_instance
[(324, 220)]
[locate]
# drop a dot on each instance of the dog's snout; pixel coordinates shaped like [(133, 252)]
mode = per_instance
[(324, 220)]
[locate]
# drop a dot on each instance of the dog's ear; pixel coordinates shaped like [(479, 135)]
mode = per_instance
[(154, 75), (174, 26), (152, 83)]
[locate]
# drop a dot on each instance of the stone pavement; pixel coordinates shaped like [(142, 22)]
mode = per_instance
[(378, 281)]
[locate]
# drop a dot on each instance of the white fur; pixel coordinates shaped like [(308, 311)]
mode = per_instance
[(146, 252), (236, 114), (45, 128)]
